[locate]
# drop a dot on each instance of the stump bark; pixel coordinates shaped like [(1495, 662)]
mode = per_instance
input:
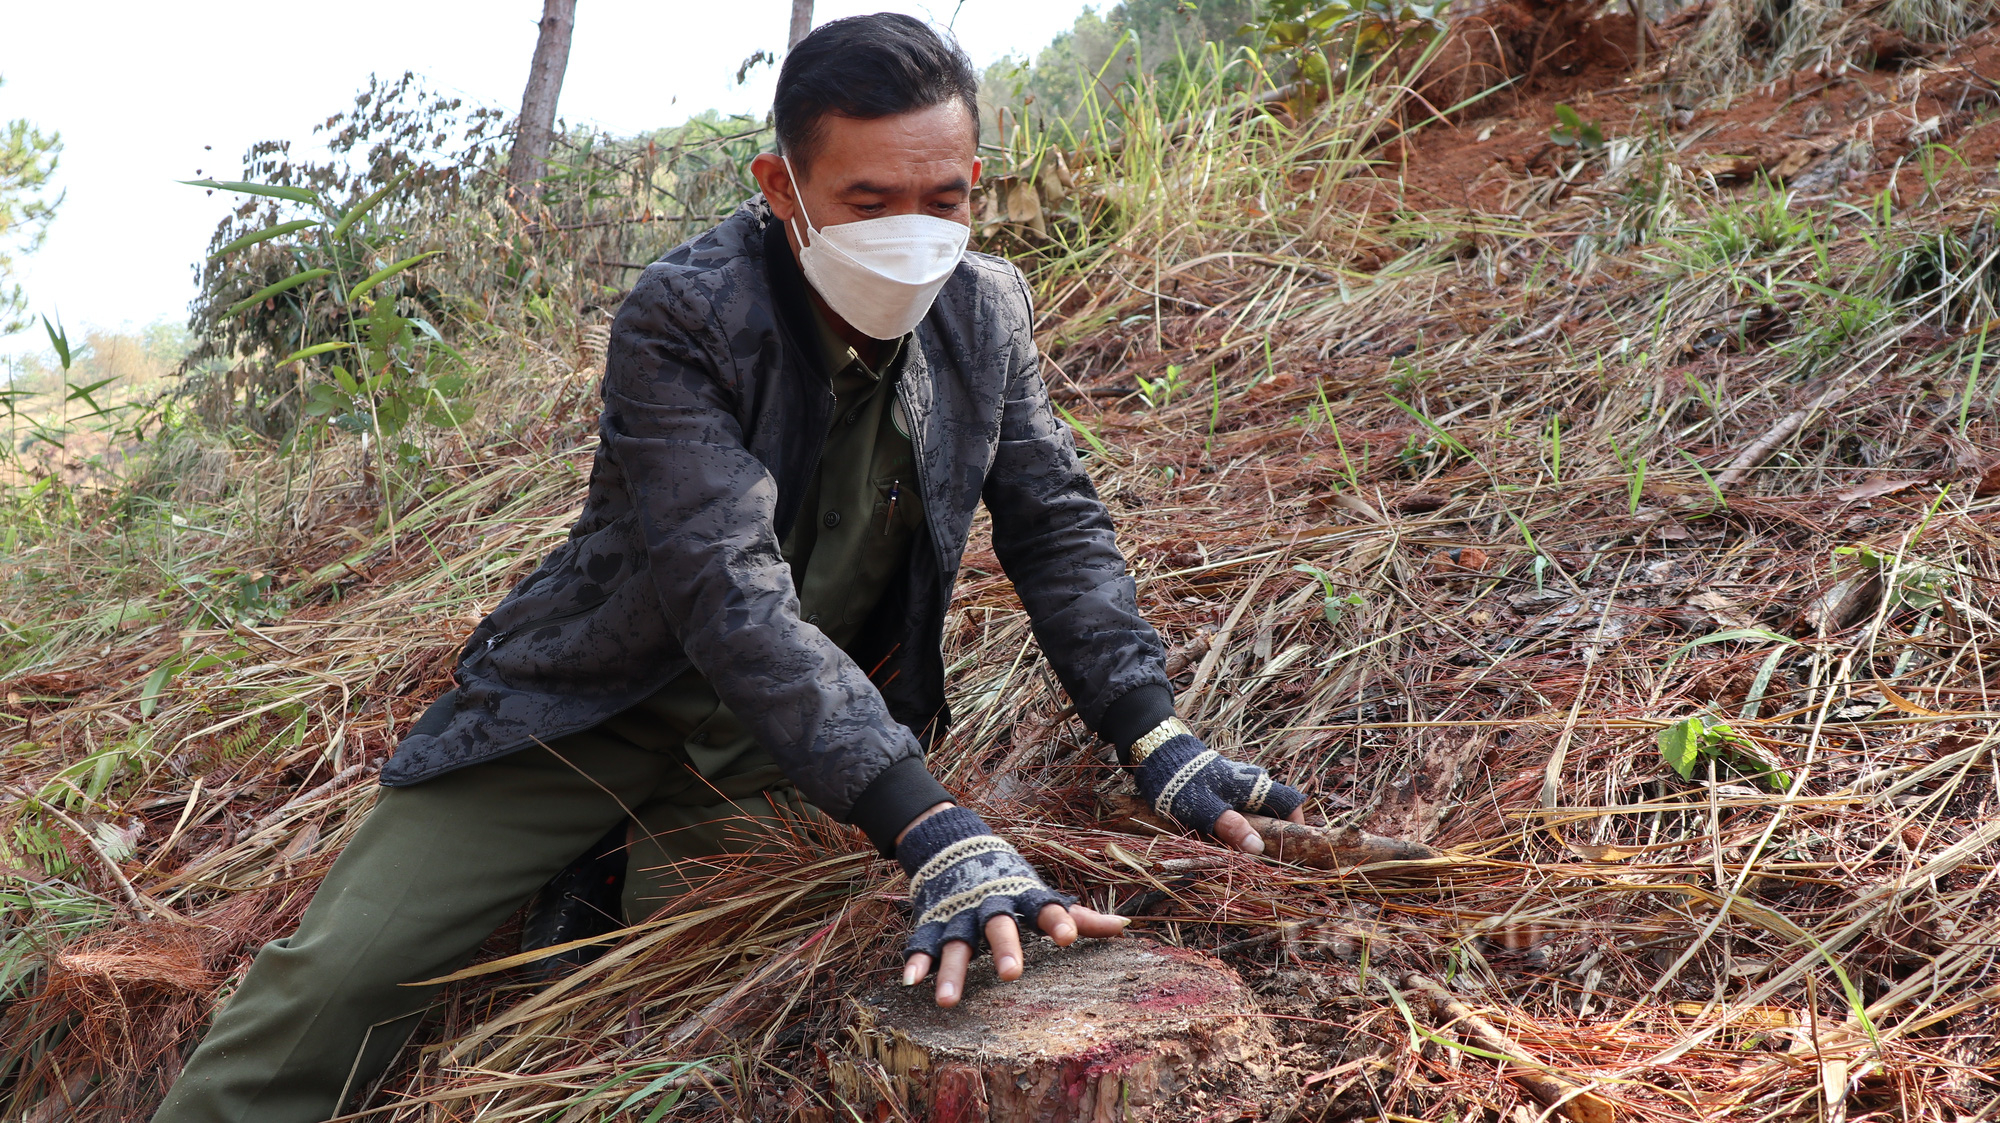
[(1107, 1030)]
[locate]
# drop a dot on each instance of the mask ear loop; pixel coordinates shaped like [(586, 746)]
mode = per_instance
[(800, 197)]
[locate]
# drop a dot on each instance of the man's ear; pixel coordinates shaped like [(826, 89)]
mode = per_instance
[(776, 183), (975, 171)]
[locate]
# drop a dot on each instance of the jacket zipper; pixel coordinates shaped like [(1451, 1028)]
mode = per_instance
[(813, 475), (923, 487), (833, 400), (498, 638)]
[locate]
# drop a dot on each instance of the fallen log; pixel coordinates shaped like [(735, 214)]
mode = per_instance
[(1571, 1101), (1102, 1032), (1324, 848)]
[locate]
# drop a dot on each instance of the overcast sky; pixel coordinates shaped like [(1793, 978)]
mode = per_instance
[(148, 93)]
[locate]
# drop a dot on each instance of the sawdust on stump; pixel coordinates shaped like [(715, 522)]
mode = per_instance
[(1106, 1030)]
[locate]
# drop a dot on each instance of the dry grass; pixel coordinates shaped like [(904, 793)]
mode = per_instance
[(1445, 414)]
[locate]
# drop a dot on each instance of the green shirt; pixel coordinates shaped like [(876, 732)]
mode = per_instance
[(850, 541), (852, 536)]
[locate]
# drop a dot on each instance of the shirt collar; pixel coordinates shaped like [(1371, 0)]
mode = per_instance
[(839, 356)]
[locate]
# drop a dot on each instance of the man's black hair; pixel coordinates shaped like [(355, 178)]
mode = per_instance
[(867, 67)]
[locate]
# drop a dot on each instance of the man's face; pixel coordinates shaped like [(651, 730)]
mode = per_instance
[(923, 162)]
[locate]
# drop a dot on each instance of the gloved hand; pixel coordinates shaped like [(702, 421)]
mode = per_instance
[(1195, 786), (963, 875), (966, 883)]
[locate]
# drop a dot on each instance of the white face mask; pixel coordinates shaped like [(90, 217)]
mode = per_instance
[(880, 274)]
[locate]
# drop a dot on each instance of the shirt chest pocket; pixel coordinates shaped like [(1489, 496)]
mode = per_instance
[(897, 509)]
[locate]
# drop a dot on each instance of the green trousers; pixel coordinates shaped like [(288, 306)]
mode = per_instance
[(431, 872)]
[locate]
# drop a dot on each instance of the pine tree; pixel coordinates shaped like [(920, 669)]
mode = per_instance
[(27, 163)]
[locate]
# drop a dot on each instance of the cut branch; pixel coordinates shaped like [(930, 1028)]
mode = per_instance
[(1571, 1101), (1324, 848)]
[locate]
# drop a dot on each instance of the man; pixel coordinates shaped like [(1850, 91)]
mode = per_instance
[(802, 409)]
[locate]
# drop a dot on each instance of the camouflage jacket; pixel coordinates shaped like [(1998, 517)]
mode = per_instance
[(715, 410)]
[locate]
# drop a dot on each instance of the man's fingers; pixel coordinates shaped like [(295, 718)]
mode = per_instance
[(1097, 925), (1298, 816), (951, 972), (1005, 940), (1063, 925), (1055, 920), (1235, 830)]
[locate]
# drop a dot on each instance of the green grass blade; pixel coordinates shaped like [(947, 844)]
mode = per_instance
[(379, 276), (295, 194), (286, 285), (264, 235)]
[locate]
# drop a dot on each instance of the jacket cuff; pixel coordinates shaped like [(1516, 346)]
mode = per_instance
[(1134, 714), (893, 800)]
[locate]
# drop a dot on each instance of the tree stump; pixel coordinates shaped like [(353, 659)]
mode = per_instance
[(1101, 1032)]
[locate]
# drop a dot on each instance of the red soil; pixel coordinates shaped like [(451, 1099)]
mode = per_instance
[(1851, 132)]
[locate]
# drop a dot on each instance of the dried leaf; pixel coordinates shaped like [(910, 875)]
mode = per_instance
[(1847, 602), (1726, 612), (1730, 168), (1024, 207), (1795, 161), (1463, 559), (1876, 488), (1989, 482), (1904, 704)]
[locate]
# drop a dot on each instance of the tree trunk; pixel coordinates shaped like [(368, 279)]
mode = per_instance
[(537, 123), (1103, 1032), (802, 22)]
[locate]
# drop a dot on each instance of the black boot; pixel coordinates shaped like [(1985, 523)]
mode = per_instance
[(580, 902)]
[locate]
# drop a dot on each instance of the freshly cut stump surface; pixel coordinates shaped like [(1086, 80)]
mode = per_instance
[(1107, 1030)]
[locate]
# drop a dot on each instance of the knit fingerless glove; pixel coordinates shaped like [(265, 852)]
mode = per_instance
[(1193, 784), (963, 875)]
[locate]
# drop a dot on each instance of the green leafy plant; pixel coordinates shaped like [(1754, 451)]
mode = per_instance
[(55, 429), (1318, 42), (1763, 222), (1406, 378), (1721, 501), (1541, 564), (403, 369), (1157, 392), (229, 595), (1729, 635), (1572, 131), (1090, 437), (1911, 584), (669, 1081), (1332, 605), (1635, 475), (399, 380), (90, 781), (1687, 743), (162, 677), (1417, 456)]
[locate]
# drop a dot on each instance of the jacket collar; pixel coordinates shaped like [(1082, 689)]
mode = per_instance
[(788, 293)]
